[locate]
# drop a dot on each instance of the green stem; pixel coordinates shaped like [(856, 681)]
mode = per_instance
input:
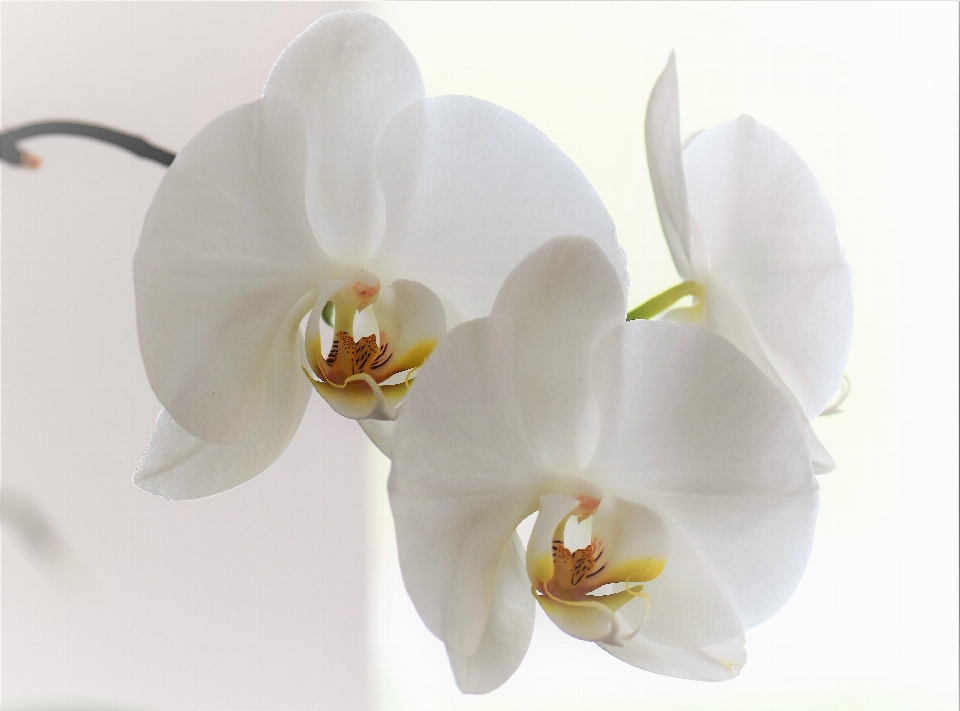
[(664, 300)]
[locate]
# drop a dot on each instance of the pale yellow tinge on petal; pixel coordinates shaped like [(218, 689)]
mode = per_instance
[(543, 568), (314, 349), (413, 358), (639, 570), (586, 620), (361, 397)]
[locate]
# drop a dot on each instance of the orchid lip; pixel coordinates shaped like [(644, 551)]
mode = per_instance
[(583, 590), (579, 573), (368, 377)]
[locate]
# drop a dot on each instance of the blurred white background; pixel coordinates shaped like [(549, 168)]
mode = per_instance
[(284, 593)]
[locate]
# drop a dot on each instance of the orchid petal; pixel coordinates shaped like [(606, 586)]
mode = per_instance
[(381, 433), (470, 189), (589, 620), (757, 544), (508, 631), (462, 479), (561, 298), (225, 257), (682, 409), (823, 462), (689, 606), (177, 465), (700, 435), (713, 663), (662, 138), (411, 321), (723, 314), (773, 246), (350, 74), (361, 397), (635, 542)]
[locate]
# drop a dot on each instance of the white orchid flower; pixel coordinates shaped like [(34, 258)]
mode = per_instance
[(755, 241), (342, 185), (690, 464)]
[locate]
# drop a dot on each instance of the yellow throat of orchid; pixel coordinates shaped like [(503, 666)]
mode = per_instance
[(351, 376), (566, 582)]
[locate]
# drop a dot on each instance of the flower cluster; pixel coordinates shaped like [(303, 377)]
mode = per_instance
[(670, 463)]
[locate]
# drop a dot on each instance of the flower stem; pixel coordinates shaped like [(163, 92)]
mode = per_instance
[(664, 300), (10, 153)]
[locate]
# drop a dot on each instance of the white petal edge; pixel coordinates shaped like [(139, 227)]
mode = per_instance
[(664, 161), (720, 662)]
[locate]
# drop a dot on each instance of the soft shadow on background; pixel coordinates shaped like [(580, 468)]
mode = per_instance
[(285, 593)]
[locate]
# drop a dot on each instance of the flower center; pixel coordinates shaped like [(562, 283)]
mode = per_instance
[(347, 356), (585, 591), (572, 572), (575, 573)]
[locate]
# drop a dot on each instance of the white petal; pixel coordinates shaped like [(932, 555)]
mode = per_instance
[(758, 545), (177, 465), (823, 462), (701, 436), (662, 138), (225, 256), (412, 320), (507, 634), (462, 479), (773, 246), (714, 663), (683, 409), (380, 432), (470, 189), (724, 315), (561, 298), (350, 74), (689, 606), (634, 539)]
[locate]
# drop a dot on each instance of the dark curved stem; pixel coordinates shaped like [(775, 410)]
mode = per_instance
[(10, 153)]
